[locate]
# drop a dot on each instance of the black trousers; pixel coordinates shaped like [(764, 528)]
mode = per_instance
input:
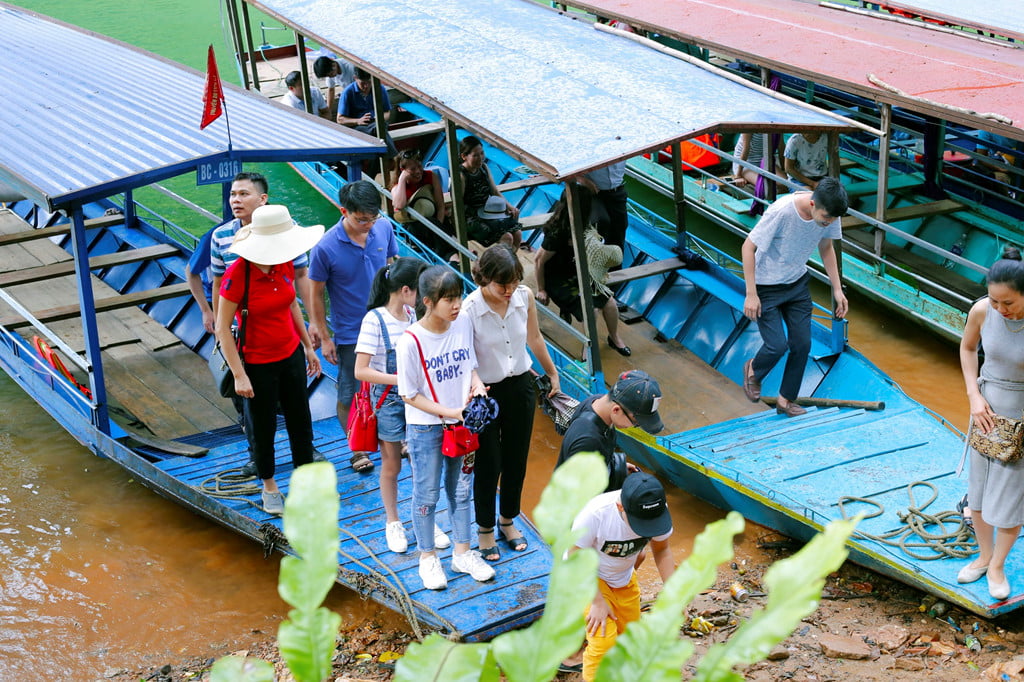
[(273, 383), (785, 325), (610, 213), (504, 447)]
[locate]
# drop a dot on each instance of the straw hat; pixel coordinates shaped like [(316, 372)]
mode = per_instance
[(421, 201), (494, 209), (273, 237), (600, 257)]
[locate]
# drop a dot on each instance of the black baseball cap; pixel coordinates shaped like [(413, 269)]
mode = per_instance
[(643, 500), (640, 395)]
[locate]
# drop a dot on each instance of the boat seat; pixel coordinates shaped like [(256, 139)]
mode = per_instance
[(657, 267), (398, 134), (62, 269), (866, 187), (55, 230), (67, 312), (894, 215)]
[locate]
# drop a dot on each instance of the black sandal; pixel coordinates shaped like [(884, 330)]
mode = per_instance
[(492, 553), (960, 506), (361, 462), (518, 544)]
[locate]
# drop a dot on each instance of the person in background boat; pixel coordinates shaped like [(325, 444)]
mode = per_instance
[(632, 401), (421, 190), (555, 269), (995, 489), (278, 353), (391, 311), (807, 158), (775, 273), (355, 110), (343, 265), (490, 217), (436, 379), (295, 99), (750, 148), (1002, 154), (504, 319), (609, 209), (618, 525), (337, 74)]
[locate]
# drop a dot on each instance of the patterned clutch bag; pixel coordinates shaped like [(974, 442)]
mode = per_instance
[(1005, 442)]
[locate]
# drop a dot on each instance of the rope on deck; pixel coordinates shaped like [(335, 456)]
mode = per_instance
[(957, 544)]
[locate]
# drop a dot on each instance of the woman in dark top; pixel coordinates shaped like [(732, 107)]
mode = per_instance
[(489, 216)]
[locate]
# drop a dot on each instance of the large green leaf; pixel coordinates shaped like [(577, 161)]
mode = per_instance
[(435, 659), (311, 525), (650, 649), (238, 669), (794, 588), (307, 640)]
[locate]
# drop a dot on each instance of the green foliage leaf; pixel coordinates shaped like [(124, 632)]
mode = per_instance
[(435, 658), (238, 669), (650, 649), (307, 638), (794, 588), (573, 484)]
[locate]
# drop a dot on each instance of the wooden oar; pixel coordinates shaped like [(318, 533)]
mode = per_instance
[(873, 405)]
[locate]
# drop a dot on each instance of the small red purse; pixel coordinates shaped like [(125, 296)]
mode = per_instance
[(457, 440)]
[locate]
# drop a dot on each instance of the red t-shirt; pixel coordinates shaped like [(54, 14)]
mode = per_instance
[(270, 334), (413, 187)]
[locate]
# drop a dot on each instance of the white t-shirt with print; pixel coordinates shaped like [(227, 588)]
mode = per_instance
[(606, 530), (371, 340), (450, 360)]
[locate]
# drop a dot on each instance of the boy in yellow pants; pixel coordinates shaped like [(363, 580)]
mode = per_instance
[(619, 524)]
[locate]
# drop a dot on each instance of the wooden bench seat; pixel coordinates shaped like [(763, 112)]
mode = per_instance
[(657, 267), (398, 134), (32, 234), (67, 312), (894, 215), (43, 272), (866, 187)]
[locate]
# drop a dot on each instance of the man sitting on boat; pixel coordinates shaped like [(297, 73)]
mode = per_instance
[(296, 100), (807, 158), (632, 401), (775, 272), (618, 525), (355, 109)]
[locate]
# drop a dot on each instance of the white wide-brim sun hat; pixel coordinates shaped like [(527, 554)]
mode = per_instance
[(273, 237)]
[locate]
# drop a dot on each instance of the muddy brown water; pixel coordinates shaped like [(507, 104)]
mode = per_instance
[(100, 574)]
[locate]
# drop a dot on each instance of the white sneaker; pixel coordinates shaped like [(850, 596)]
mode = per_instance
[(471, 563), (441, 539), (431, 573), (394, 531)]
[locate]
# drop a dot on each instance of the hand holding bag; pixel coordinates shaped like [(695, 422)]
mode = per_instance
[(223, 379), (1005, 442), (457, 440)]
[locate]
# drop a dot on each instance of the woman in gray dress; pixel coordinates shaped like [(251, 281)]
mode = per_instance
[(995, 489)]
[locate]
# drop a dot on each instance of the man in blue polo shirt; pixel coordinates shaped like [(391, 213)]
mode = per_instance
[(343, 264)]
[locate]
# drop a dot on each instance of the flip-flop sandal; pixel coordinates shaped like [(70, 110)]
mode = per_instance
[(361, 462)]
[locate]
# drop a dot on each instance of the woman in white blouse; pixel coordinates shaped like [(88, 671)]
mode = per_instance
[(504, 318)]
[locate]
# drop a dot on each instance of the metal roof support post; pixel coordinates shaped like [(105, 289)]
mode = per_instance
[(767, 144), (934, 141), (457, 188), (250, 49), (381, 126), (300, 51), (678, 192), (883, 181), (130, 217), (83, 279), (225, 200), (837, 244), (236, 36), (577, 225)]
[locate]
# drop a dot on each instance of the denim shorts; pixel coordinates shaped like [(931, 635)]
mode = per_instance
[(390, 416)]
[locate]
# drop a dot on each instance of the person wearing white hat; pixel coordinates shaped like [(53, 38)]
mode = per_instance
[(274, 354)]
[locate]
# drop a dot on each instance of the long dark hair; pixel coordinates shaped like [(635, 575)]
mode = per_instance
[(1008, 270), (404, 272), (437, 282), (559, 220)]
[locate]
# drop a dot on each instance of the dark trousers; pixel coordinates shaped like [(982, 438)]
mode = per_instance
[(609, 212), (789, 304), (281, 382), (504, 447)]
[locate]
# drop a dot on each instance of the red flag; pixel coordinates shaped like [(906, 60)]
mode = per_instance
[(213, 94)]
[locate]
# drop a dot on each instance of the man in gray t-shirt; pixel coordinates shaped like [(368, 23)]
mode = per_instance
[(775, 257)]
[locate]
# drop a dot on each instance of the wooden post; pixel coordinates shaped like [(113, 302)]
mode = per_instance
[(300, 49), (236, 36), (457, 188), (83, 278), (833, 154), (250, 49), (882, 202), (130, 218), (577, 224), (380, 127), (678, 194), (768, 147)]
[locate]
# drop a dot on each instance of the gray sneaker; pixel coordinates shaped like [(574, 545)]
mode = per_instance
[(249, 470), (273, 503)]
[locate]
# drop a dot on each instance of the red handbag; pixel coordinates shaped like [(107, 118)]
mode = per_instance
[(457, 440), (362, 420)]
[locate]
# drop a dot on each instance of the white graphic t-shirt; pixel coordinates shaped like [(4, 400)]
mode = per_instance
[(450, 361)]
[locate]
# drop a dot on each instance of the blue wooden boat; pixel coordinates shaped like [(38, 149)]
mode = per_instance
[(85, 267), (790, 474)]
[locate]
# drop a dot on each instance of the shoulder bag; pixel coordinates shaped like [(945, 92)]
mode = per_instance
[(223, 379), (1005, 442), (457, 440)]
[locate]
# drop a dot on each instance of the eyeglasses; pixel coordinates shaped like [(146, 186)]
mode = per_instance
[(359, 220), (410, 154), (628, 416)]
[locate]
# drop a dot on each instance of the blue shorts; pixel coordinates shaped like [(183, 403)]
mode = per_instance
[(390, 416)]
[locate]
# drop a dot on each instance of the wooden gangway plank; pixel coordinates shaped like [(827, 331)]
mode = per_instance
[(67, 312), (65, 268), (894, 215), (23, 235)]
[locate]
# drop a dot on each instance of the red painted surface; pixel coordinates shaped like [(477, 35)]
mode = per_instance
[(841, 48)]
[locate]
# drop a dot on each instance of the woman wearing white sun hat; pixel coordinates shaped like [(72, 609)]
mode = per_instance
[(276, 352)]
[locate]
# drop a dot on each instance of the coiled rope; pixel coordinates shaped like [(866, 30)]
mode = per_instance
[(957, 543)]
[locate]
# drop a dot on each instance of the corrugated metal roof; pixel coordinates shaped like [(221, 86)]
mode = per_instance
[(1003, 17), (556, 93), (839, 49), (75, 124)]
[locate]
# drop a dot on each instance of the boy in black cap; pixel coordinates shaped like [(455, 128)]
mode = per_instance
[(632, 401), (619, 524)]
